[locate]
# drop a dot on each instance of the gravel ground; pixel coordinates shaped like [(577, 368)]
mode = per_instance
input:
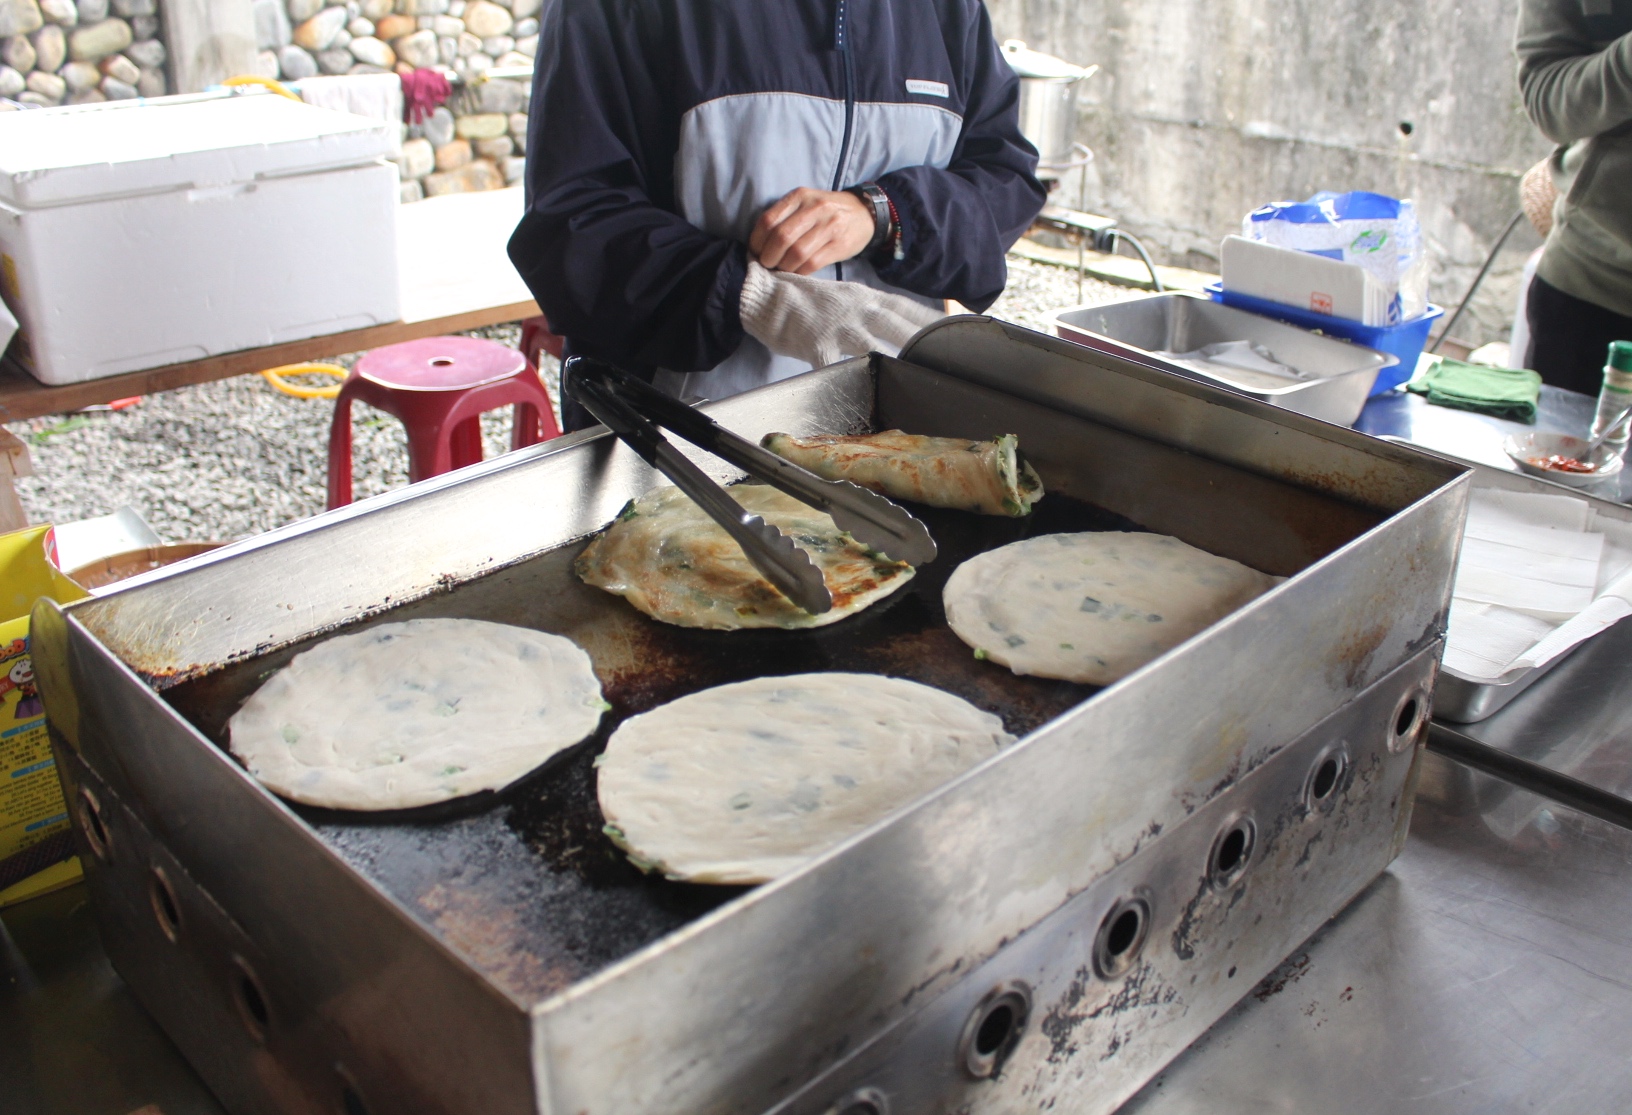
[(223, 460)]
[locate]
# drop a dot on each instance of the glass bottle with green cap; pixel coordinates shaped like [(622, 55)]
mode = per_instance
[(1616, 395)]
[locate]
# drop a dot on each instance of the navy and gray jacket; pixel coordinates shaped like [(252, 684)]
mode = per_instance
[(661, 129)]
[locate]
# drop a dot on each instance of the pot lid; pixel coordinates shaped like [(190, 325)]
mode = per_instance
[(1033, 63)]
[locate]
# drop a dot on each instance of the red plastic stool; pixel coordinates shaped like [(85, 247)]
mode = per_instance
[(536, 338), (438, 388)]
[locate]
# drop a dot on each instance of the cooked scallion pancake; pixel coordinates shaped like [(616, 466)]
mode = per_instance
[(743, 782), (987, 477), (669, 559), (1092, 607), (409, 714)]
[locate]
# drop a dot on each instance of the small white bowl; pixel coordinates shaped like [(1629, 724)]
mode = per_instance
[(1527, 449)]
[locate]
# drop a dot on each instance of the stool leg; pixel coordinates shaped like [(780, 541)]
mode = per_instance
[(429, 450), (466, 445), (340, 452), (523, 426)]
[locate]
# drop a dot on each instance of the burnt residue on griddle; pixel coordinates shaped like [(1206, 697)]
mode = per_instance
[(524, 883)]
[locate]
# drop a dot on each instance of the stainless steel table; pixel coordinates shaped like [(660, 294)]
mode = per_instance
[(1489, 970), (1478, 437)]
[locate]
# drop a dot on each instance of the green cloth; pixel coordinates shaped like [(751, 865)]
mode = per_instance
[(1504, 392)]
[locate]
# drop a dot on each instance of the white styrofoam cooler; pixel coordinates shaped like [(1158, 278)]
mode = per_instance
[(139, 234)]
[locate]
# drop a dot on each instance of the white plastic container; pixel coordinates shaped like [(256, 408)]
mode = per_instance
[(139, 234)]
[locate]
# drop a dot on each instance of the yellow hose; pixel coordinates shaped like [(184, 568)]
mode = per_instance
[(265, 82), (274, 376)]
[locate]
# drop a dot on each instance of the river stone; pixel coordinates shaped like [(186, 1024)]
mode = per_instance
[(447, 26), (447, 50), (528, 46), (11, 82), (81, 75), (85, 97), (513, 58), (18, 53), (120, 68), (497, 148), (424, 7), (453, 155), (296, 63), (410, 191), (483, 125), (341, 40), (19, 17), (525, 27), (377, 9), (514, 168), (302, 10), (473, 66), (360, 28), (470, 178), (502, 96), (147, 53), (484, 19), (468, 44), (371, 51), (116, 90), (333, 62), (272, 27), (265, 65), (49, 86), (418, 158), (145, 26), (418, 49), (152, 83), (394, 27), (523, 9), (495, 45), (319, 32), (438, 126), (131, 8), (92, 11), (60, 12), (92, 41), (50, 47), (521, 143)]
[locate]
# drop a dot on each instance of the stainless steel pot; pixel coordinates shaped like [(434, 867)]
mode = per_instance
[(1048, 91)]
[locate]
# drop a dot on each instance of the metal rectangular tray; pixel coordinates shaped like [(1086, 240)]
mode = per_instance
[(1464, 700), (1183, 322), (497, 958)]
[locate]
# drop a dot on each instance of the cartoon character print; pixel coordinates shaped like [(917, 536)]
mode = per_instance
[(21, 677)]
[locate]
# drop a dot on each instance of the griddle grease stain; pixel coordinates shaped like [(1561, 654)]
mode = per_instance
[(1141, 989)]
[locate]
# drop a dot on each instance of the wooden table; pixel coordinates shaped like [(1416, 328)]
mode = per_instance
[(455, 276)]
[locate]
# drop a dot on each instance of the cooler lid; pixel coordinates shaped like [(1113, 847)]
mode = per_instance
[(58, 156)]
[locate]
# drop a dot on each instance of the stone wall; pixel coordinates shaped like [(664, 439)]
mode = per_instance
[(476, 141), (1204, 110), (56, 52)]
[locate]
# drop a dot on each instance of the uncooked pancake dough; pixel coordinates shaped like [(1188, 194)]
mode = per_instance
[(409, 714), (987, 477), (743, 782), (1092, 607), (669, 559)]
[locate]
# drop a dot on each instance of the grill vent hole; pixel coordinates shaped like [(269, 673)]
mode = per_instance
[(1121, 936), (868, 1101), (251, 1000), (1232, 851), (1325, 778), (1407, 720), (993, 1030), (90, 823), (165, 907)]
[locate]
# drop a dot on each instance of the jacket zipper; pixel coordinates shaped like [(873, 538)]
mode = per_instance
[(841, 42)]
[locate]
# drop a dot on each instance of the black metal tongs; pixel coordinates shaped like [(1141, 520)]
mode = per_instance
[(633, 410)]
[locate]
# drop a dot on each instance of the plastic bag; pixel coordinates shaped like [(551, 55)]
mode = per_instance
[(1372, 231)]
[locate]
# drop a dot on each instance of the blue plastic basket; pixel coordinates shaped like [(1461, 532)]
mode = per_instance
[(1404, 340)]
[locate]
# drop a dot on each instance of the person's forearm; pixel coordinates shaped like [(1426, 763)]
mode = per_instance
[(1571, 91), (637, 286)]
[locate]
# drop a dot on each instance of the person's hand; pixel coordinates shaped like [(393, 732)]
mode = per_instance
[(820, 321), (811, 229)]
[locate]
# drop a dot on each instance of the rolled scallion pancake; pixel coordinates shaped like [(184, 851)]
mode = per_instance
[(987, 477), (743, 782), (669, 559), (414, 713), (1092, 607)]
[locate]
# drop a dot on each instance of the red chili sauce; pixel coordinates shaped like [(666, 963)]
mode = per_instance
[(1560, 463)]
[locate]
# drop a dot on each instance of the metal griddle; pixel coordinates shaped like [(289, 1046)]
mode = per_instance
[(1050, 928)]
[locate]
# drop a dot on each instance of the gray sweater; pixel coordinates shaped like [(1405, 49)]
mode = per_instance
[(1575, 70)]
